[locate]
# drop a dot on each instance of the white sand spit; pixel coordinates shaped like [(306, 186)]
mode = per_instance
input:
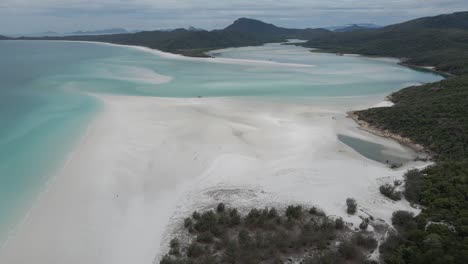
[(146, 162)]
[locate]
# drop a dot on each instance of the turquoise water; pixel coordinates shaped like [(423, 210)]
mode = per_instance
[(44, 107)]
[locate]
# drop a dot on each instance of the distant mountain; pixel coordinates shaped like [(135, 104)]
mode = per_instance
[(3, 37), (195, 29), (47, 33), (253, 26), (259, 28), (39, 34), (100, 32), (355, 27), (440, 41)]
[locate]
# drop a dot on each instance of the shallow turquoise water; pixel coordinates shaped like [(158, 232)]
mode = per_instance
[(44, 108)]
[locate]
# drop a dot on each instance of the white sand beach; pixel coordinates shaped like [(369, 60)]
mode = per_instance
[(145, 163)]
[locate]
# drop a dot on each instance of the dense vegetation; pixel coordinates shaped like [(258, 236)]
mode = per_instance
[(266, 236), (440, 41), (435, 116), (390, 191), (182, 41)]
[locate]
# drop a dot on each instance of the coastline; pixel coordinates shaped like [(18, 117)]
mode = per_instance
[(123, 188), (365, 126), (401, 61), (426, 68), (127, 181)]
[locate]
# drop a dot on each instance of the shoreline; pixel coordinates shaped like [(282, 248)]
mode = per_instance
[(426, 68), (118, 194), (401, 61), (125, 187), (365, 126)]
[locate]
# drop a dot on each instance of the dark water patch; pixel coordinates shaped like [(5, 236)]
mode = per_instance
[(379, 152)]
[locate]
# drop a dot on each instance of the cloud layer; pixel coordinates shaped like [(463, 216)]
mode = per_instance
[(22, 16)]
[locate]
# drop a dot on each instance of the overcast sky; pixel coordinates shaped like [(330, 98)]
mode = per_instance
[(29, 16)]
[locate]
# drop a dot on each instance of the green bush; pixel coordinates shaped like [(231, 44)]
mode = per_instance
[(220, 208), (262, 236), (351, 206), (389, 191), (366, 241), (339, 223), (294, 212), (195, 250), (188, 222), (413, 185), (349, 251), (364, 224), (403, 220), (205, 237)]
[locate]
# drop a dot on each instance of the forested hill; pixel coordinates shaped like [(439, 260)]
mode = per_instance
[(440, 41), (3, 37), (259, 28), (182, 41), (434, 115), (243, 32)]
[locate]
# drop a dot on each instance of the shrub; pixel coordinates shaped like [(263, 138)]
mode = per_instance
[(174, 243), (389, 191), (294, 212), (205, 237), (207, 222), (235, 217), (364, 224), (244, 238), (272, 213), (195, 250), (327, 257), (339, 223), (365, 241), (413, 185), (188, 222), (403, 220), (167, 260), (351, 206), (220, 208), (196, 215), (349, 251), (263, 236), (175, 247), (313, 210)]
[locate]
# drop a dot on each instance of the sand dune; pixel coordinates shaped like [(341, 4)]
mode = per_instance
[(146, 162)]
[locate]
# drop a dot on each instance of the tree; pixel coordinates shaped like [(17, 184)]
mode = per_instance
[(351, 206)]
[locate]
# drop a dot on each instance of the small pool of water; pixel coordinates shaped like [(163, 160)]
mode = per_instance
[(380, 153)]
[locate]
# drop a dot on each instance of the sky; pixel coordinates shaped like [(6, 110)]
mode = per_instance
[(32, 16)]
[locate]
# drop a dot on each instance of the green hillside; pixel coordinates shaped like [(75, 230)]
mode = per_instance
[(440, 41)]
